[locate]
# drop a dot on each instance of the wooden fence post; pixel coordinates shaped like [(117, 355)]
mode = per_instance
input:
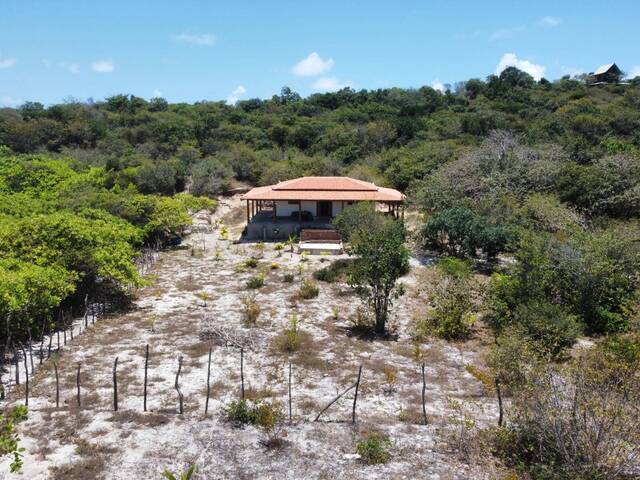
[(55, 369), (146, 367), (50, 342), (500, 408), (17, 362), (30, 351), (115, 385), (177, 385), (242, 371), (355, 397), (424, 389), (206, 403), (289, 391), (26, 381), (78, 384)]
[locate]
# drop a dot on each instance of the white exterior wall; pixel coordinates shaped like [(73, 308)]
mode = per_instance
[(285, 209)]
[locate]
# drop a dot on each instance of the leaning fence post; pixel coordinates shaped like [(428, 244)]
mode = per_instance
[(78, 384), (115, 385), (242, 371), (177, 385), (55, 368), (355, 397), (424, 388), (146, 366), (289, 391), (206, 403)]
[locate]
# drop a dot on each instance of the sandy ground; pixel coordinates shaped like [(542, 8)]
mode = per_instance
[(93, 441)]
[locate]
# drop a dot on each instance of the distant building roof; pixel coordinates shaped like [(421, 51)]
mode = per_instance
[(325, 188), (606, 68)]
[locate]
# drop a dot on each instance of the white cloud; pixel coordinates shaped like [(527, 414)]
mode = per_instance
[(330, 84), (512, 60), (7, 62), (438, 85), (238, 92), (103, 66), (157, 93), (312, 66), (7, 101), (634, 72), (206, 39), (549, 22)]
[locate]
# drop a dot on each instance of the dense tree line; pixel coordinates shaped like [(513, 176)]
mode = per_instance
[(393, 136)]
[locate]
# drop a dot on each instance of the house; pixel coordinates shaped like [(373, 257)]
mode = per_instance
[(609, 73), (308, 204)]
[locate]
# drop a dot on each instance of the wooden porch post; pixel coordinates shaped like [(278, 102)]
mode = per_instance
[(299, 211), (274, 211), (248, 215)]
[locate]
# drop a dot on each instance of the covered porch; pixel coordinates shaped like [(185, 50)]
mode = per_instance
[(276, 212)]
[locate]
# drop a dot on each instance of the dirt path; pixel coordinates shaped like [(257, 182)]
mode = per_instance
[(93, 441)]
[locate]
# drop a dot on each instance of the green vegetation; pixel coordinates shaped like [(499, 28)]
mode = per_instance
[(373, 448), (380, 259), (9, 440), (68, 231), (256, 281), (451, 295), (308, 289)]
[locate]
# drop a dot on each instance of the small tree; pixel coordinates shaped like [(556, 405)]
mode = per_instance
[(382, 258)]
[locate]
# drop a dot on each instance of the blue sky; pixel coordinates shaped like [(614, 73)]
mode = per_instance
[(217, 50)]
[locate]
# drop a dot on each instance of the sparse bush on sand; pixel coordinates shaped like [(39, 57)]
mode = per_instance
[(257, 281), (373, 448)]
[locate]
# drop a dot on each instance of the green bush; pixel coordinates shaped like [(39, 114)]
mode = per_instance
[(308, 290), (374, 448), (461, 232), (257, 281), (291, 339), (549, 325), (241, 412), (335, 272), (288, 277), (251, 263)]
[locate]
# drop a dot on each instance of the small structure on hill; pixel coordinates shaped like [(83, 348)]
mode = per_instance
[(609, 73), (276, 212)]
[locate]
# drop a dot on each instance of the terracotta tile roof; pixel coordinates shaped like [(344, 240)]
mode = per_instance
[(325, 188)]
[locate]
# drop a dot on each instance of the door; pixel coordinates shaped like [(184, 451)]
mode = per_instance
[(325, 209)]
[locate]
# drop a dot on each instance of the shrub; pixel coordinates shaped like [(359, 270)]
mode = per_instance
[(575, 420), (452, 315), (270, 419), (336, 271), (251, 263), (308, 290), (9, 440), (373, 448), (250, 309), (274, 266), (241, 412), (288, 277), (257, 281), (291, 338), (548, 325), (461, 232)]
